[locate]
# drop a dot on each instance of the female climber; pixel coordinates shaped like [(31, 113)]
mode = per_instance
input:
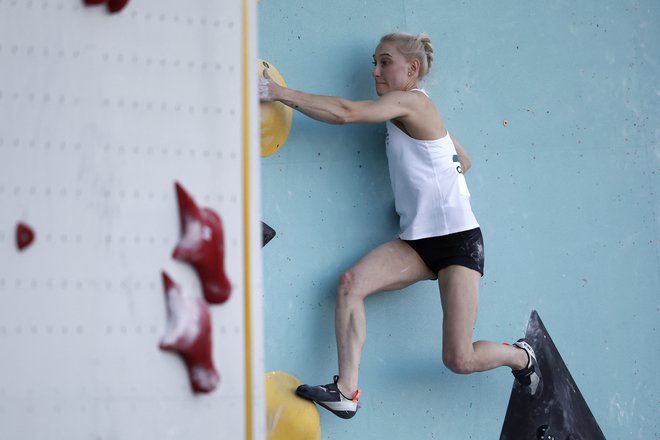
[(440, 238)]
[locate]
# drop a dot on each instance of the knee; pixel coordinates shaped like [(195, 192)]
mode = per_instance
[(458, 363), (348, 285)]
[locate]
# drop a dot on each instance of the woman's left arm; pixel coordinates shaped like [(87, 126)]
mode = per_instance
[(463, 158)]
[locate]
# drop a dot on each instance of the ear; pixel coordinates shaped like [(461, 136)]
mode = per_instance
[(414, 66)]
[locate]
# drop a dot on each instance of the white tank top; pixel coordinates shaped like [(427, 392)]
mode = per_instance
[(430, 192)]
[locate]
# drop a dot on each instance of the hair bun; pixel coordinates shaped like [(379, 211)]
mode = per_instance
[(428, 48)]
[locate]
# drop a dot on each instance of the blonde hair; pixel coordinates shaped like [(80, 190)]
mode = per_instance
[(412, 47)]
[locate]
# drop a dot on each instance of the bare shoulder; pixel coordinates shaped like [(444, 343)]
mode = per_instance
[(425, 121), (401, 95), (413, 101)]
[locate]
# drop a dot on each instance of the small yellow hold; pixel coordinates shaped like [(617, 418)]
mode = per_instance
[(276, 117), (289, 417)]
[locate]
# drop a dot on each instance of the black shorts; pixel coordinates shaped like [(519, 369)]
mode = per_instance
[(462, 248)]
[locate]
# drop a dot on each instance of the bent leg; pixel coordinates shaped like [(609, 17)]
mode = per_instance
[(391, 266), (459, 292)]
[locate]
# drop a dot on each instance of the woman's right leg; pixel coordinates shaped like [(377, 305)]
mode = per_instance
[(391, 266)]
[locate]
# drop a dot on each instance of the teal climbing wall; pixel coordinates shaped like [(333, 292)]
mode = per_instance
[(558, 104)]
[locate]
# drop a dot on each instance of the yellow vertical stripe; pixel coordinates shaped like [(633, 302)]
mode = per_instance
[(247, 223)]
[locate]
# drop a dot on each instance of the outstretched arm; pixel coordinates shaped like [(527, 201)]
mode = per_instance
[(335, 110)]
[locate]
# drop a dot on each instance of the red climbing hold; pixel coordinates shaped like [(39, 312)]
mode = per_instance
[(24, 236), (113, 5), (202, 245), (116, 5), (188, 333)]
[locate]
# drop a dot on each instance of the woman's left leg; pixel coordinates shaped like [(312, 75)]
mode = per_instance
[(459, 293)]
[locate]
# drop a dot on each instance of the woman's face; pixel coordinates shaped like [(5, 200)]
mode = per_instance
[(391, 70)]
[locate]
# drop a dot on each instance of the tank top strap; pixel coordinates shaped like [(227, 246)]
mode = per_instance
[(420, 90)]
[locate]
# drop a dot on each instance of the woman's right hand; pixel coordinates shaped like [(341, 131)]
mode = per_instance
[(268, 88)]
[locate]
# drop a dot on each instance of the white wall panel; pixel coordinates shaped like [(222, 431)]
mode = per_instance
[(99, 115)]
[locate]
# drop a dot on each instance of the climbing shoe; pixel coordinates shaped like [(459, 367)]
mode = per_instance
[(330, 398), (529, 379)]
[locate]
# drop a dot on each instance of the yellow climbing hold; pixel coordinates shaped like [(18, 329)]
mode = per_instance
[(275, 117), (289, 417)]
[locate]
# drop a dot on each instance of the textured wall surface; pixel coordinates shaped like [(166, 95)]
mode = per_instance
[(557, 103)]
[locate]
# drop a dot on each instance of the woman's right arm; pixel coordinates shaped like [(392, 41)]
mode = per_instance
[(335, 110), (330, 109)]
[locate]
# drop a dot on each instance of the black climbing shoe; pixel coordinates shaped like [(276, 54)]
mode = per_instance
[(529, 379), (330, 398)]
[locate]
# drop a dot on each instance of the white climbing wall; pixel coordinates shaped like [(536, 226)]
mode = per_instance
[(99, 115)]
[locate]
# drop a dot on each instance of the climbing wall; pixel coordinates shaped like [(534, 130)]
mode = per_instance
[(101, 114), (557, 105)]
